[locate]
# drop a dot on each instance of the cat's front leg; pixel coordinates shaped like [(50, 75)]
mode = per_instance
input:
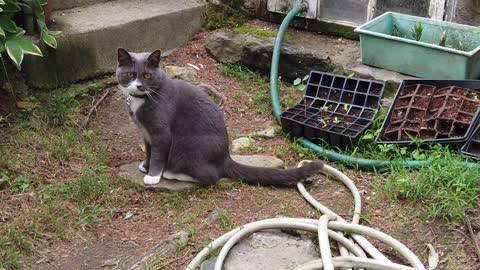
[(144, 165), (157, 163)]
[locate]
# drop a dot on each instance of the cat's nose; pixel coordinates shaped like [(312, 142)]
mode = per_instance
[(139, 85)]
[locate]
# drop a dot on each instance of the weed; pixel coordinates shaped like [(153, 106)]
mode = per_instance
[(225, 15), (9, 256), (226, 220), (286, 211), (300, 83)]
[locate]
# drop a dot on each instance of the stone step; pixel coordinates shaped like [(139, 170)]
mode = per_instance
[(68, 4), (91, 35)]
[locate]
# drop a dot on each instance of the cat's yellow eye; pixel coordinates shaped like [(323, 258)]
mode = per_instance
[(147, 75), (130, 74)]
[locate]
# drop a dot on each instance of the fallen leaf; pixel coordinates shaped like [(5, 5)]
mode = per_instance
[(111, 262), (433, 258), (129, 215)]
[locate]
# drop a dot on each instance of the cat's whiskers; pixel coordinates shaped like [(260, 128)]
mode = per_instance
[(149, 94)]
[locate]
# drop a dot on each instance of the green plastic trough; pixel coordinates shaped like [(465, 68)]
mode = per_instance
[(458, 59)]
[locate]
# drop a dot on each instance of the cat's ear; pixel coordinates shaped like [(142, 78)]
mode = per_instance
[(124, 58), (153, 60)]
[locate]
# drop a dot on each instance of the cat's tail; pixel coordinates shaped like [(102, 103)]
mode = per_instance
[(270, 176)]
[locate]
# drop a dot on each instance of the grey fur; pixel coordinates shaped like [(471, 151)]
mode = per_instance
[(187, 130)]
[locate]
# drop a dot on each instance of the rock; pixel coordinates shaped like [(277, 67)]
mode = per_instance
[(131, 173), (268, 132), (256, 52), (181, 73), (268, 250), (242, 143), (259, 161)]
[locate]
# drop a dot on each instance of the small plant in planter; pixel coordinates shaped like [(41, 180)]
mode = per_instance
[(417, 31), (301, 83), (344, 107)]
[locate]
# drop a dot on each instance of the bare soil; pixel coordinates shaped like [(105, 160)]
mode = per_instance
[(125, 239)]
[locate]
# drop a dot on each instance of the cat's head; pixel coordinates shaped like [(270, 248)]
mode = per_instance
[(138, 74)]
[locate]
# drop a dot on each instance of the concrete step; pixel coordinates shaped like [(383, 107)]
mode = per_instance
[(91, 35), (68, 4)]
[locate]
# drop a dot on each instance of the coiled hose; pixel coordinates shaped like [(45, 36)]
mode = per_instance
[(356, 251)]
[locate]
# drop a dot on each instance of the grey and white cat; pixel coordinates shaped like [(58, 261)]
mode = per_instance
[(184, 131)]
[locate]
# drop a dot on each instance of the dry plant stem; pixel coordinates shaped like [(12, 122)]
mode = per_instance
[(474, 239), (94, 107)]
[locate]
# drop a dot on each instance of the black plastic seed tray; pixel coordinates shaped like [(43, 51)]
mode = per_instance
[(432, 111), (334, 109), (472, 147)]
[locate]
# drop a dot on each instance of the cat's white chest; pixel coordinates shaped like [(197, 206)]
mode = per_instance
[(134, 104)]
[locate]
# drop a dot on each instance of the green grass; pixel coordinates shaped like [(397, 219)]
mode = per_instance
[(59, 167), (226, 220), (258, 86), (446, 188)]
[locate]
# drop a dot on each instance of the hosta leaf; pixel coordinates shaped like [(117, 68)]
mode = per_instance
[(49, 39), (11, 7), (29, 47), (306, 77), (2, 33), (14, 51), (7, 24), (297, 81)]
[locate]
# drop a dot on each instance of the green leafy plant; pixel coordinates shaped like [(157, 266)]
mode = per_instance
[(300, 83), (417, 31), (461, 46), (396, 32), (12, 37)]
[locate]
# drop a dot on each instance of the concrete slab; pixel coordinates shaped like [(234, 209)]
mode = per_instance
[(67, 4), (270, 250), (91, 35)]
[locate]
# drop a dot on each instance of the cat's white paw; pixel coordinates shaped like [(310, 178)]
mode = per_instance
[(142, 168), (151, 180)]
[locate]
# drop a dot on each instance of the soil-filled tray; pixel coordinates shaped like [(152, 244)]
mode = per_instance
[(472, 147), (335, 109), (432, 111)]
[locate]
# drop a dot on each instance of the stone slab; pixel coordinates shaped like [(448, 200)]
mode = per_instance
[(268, 251), (91, 35), (131, 173)]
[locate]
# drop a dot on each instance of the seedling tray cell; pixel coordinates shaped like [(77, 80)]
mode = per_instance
[(472, 147), (335, 109), (440, 111)]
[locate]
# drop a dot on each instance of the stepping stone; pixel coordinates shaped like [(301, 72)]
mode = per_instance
[(131, 173), (272, 250)]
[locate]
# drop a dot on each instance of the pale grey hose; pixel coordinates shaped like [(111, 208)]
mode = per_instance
[(326, 228)]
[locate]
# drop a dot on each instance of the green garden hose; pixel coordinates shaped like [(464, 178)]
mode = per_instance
[(331, 155)]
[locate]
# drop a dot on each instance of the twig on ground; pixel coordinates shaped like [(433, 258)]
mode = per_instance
[(472, 235), (94, 107)]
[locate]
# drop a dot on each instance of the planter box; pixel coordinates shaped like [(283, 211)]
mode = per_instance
[(424, 58), (335, 109), (472, 147), (431, 111)]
